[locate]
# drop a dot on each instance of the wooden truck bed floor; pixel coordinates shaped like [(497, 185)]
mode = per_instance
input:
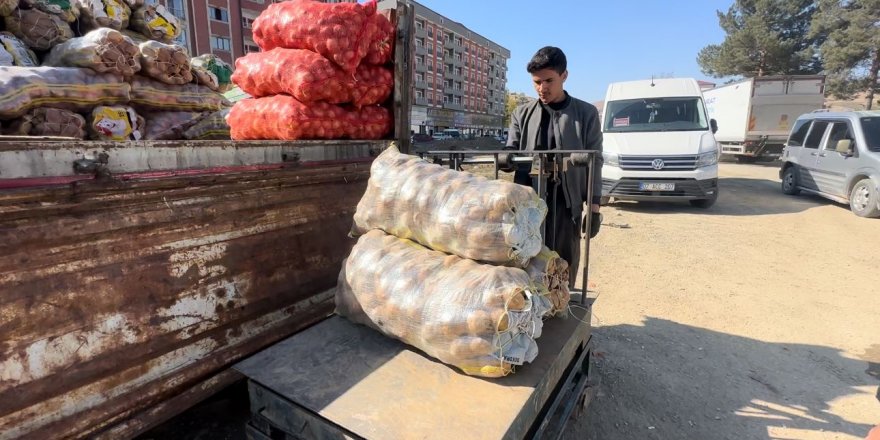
[(340, 380)]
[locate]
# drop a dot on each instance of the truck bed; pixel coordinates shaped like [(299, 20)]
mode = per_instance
[(340, 380)]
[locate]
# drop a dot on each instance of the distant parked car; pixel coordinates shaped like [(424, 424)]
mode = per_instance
[(836, 156), (421, 137)]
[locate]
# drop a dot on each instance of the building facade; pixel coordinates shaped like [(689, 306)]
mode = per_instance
[(460, 77), (219, 27)]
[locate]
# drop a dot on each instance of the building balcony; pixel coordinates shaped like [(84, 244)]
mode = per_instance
[(449, 44), (421, 32), (421, 67), (421, 50), (457, 92), (449, 59), (420, 84), (452, 106), (421, 101)]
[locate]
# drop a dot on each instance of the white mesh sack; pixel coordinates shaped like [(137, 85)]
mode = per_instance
[(551, 271), (479, 318), (451, 211)]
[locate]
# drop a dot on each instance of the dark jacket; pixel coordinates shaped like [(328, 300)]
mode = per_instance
[(576, 127)]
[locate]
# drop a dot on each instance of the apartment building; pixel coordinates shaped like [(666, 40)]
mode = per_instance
[(221, 27), (460, 78)]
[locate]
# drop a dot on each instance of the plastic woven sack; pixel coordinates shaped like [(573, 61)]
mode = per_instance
[(134, 4), (13, 52), (25, 88), (7, 7), (451, 211), (309, 77), (37, 29), (151, 95), (282, 117), (102, 50), (480, 318), (169, 125), (382, 48), (114, 14), (551, 271), (211, 127), (155, 22), (62, 8), (220, 68), (168, 63), (49, 122), (341, 32), (117, 123), (205, 77)]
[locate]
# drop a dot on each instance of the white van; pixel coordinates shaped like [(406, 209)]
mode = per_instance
[(659, 143)]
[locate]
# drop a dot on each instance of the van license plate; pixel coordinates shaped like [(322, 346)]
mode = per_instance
[(647, 186)]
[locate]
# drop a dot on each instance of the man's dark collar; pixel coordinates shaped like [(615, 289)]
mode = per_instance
[(558, 105)]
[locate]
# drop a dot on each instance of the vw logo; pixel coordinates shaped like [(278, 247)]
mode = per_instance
[(658, 164)]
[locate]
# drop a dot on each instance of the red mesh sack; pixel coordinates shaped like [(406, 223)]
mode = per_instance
[(372, 122), (283, 117), (382, 49), (309, 77), (342, 32)]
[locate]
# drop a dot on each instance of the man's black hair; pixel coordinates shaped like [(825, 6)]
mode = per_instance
[(548, 57)]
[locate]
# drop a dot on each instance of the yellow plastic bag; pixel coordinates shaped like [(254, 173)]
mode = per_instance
[(117, 123)]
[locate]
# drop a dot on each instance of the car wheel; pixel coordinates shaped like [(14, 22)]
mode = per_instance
[(705, 203), (864, 199), (790, 181), (746, 159)]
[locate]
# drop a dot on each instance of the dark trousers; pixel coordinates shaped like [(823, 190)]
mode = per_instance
[(561, 230)]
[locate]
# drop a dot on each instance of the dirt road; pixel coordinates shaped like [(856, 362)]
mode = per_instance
[(756, 319)]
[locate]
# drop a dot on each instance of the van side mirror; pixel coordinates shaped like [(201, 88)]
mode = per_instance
[(845, 147), (714, 124)]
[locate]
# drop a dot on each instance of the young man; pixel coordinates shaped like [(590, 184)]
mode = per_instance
[(558, 121)]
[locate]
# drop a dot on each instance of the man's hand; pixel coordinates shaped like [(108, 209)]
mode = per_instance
[(595, 222)]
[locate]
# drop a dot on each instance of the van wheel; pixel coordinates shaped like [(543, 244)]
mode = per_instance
[(790, 181), (746, 159), (864, 199), (705, 203)]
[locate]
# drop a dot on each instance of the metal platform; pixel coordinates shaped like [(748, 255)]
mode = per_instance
[(339, 380)]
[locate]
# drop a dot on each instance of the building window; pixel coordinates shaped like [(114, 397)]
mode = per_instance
[(420, 94), (446, 99), (175, 7), (430, 96), (420, 42), (420, 60), (420, 77), (182, 39), (221, 43), (420, 24), (430, 47), (247, 22), (218, 14), (249, 48)]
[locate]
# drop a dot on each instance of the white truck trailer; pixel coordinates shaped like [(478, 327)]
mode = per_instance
[(755, 115)]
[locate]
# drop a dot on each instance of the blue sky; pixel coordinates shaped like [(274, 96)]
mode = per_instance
[(605, 41)]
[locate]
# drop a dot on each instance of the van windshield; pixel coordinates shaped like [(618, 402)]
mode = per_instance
[(871, 127), (656, 114)]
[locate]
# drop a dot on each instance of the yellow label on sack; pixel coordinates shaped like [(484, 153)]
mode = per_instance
[(164, 22), (113, 124), (161, 24), (112, 9)]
